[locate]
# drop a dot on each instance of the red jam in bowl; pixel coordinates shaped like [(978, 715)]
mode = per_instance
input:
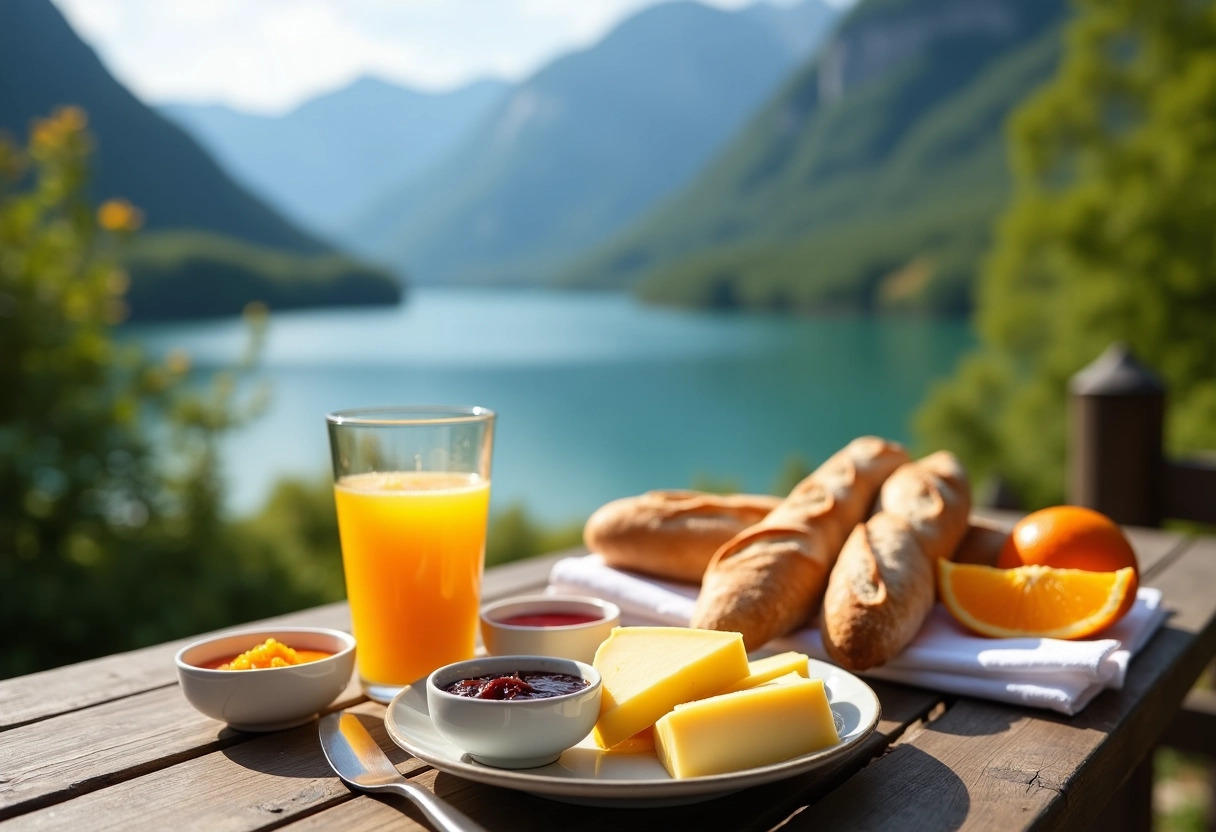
[(549, 619), (524, 684)]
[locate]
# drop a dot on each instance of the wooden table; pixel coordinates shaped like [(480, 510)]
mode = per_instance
[(112, 744)]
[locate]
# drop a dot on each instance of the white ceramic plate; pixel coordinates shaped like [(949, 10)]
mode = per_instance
[(588, 775)]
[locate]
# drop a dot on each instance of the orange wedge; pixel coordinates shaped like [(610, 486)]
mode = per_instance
[(1038, 601)]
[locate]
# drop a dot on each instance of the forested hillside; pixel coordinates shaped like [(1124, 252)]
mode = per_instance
[(869, 183), (1107, 240)]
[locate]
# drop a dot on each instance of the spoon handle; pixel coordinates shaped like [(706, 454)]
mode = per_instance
[(444, 815)]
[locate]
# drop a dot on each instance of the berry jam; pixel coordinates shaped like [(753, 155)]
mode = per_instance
[(549, 619), (524, 684)]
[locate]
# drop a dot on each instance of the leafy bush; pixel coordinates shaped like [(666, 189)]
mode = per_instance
[(110, 537), (1108, 238)]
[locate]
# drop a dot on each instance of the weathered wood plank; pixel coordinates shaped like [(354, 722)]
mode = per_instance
[(251, 785), (1187, 486), (1155, 547), (234, 791), (524, 576), (115, 741), (85, 684)]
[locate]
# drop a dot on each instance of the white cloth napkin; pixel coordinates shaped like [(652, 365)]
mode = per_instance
[(1047, 673)]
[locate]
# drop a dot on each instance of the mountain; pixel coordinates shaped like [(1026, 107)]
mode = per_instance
[(142, 157), (871, 182), (322, 161), (588, 143), (801, 27)]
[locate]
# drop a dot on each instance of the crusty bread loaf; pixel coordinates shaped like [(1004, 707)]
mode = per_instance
[(883, 584), (982, 543), (768, 580), (671, 534), (934, 495), (879, 593)]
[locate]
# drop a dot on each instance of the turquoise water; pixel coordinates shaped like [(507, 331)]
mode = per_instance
[(597, 396)]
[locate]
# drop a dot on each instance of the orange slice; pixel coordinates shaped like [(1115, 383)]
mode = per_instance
[(1037, 601)]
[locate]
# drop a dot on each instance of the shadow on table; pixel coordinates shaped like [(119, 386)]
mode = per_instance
[(297, 752), (932, 796), (788, 804)]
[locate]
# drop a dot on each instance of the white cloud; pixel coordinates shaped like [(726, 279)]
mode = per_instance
[(268, 55)]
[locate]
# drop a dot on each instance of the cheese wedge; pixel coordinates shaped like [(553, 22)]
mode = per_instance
[(767, 724), (647, 671), (770, 667)]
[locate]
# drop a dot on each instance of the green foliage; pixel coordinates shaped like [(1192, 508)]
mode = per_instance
[(298, 526), (109, 539), (1182, 797), (793, 471), (513, 535), (1108, 238), (920, 263), (179, 274), (715, 484)]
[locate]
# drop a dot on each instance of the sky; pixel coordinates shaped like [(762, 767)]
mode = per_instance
[(268, 56)]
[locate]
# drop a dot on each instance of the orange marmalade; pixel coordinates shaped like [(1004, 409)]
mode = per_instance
[(270, 653)]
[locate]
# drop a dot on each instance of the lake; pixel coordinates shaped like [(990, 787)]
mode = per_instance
[(597, 396)]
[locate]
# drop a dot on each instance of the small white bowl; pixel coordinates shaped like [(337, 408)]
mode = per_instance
[(513, 733), (265, 699), (566, 641)]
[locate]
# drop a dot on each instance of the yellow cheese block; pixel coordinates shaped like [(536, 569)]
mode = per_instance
[(772, 722), (647, 671), (770, 667)]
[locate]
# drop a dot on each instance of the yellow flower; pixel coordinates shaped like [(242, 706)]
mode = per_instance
[(255, 311), (72, 119), (119, 215), (178, 362), (117, 282), (44, 134), (54, 132)]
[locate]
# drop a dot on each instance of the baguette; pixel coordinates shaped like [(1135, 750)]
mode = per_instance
[(982, 543), (883, 585), (768, 580), (671, 534)]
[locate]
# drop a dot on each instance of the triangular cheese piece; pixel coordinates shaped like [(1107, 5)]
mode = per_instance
[(770, 667), (647, 671)]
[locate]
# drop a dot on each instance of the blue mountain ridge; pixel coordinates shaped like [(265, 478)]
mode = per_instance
[(323, 160)]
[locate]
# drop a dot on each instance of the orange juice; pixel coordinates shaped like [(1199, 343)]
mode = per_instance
[(413, 545)]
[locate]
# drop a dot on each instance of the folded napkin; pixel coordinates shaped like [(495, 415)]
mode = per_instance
[(1047, 673)]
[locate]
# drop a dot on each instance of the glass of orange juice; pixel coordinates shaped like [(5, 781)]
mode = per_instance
[(412, 486)]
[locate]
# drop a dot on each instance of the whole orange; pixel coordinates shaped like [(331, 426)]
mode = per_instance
[(1070, 537)]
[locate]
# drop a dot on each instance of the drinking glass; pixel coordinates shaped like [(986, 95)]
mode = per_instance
[(412, 487)]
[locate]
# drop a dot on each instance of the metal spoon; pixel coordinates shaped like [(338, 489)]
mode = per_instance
[(362, 764)]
